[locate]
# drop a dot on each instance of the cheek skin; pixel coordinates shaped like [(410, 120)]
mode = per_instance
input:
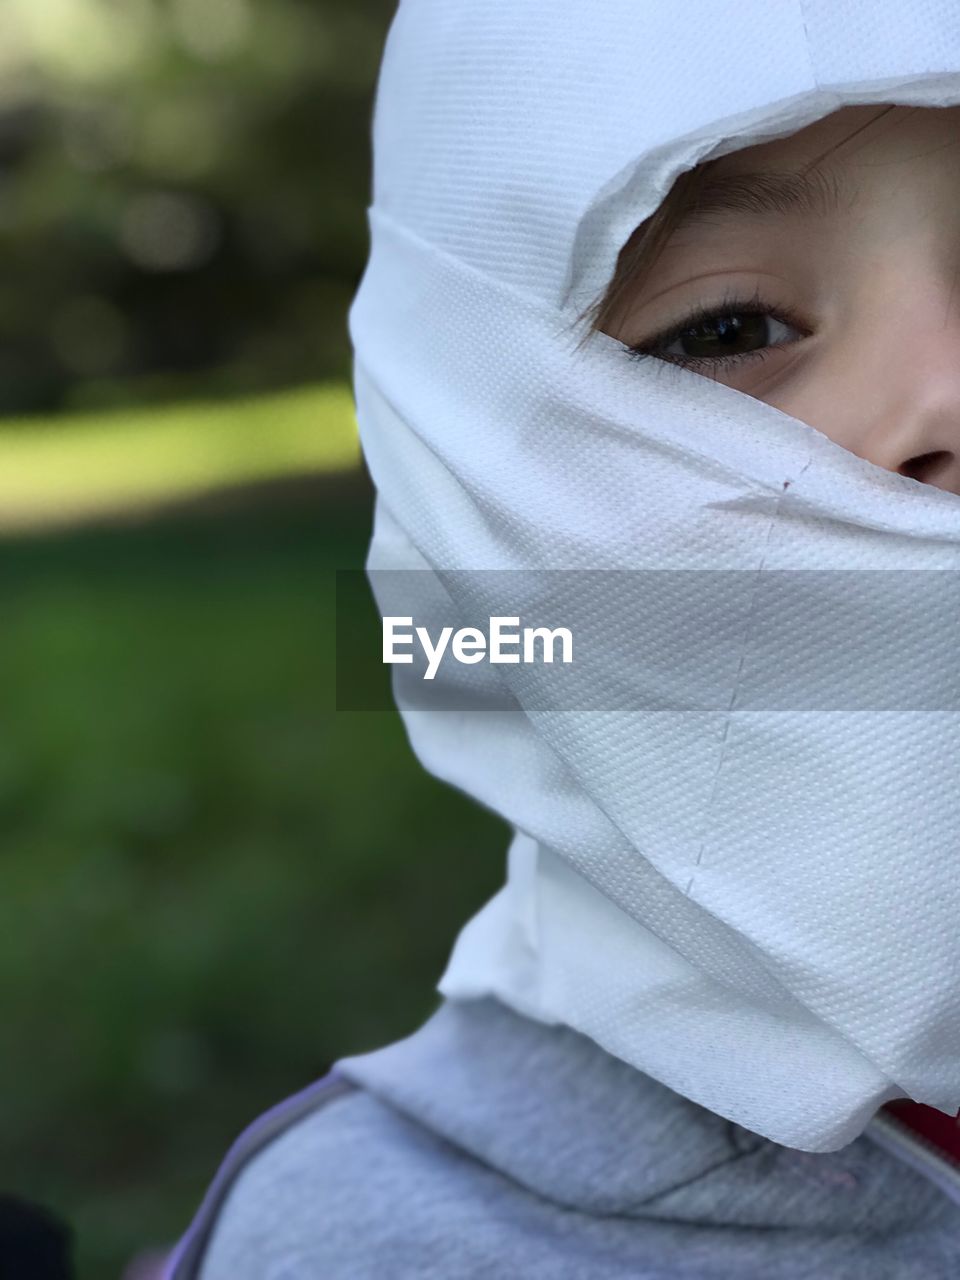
[(808, 394), (827, 380), (887, 346), (778, 380), (814, 279)]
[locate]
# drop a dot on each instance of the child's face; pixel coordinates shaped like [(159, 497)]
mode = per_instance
[(843, 311)]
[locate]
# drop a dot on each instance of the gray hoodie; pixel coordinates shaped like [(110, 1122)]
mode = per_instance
[(489, 1145)]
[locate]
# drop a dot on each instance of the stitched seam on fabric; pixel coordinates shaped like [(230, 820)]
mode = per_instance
[(737, 681), (705, 1173), (808, 44), (568, 767), (453, 1143)]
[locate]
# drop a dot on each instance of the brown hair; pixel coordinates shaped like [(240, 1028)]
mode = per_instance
[(638, 256)]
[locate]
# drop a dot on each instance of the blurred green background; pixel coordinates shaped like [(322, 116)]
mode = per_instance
[(201, 907)]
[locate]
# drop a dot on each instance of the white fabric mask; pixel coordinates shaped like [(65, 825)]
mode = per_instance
[(756, 905)]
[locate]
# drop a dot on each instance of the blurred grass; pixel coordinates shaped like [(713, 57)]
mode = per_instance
[(58, 470), (213, 884)]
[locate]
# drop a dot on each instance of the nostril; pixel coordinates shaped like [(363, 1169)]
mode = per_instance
[(927, 467)]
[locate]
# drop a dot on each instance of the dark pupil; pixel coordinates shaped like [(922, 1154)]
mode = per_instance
[(727, 335)]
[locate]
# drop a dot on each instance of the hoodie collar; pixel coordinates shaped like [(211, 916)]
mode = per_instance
[(548, 1108)]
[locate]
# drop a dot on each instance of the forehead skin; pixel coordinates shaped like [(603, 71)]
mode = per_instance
[(886, 176), (868, 151), (850, 130)]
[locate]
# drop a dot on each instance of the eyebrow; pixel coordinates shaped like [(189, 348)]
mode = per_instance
[(818, 192)]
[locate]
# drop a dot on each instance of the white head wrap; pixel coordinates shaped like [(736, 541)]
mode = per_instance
[(756, 904)]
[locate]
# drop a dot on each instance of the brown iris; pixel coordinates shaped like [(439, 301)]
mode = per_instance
[(724, 336)]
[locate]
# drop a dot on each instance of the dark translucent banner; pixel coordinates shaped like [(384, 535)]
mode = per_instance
[(649, 640)]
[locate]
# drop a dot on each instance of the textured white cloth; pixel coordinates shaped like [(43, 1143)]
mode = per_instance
[(755, 903)]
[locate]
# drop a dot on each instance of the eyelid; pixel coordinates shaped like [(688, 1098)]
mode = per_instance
[(730, 303), (707, 365)]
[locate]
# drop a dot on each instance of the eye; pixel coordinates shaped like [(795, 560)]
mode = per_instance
[(730, 334)]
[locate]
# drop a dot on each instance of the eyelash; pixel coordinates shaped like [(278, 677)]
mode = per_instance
[(730, 304)]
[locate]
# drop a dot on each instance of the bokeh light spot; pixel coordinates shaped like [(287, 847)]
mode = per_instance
[(166, 231)]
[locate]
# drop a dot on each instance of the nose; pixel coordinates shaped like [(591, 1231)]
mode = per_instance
[(905, 413), (917, 432), (922, 450)]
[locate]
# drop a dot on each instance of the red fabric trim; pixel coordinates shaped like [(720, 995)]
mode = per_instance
[(939, 1129)]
